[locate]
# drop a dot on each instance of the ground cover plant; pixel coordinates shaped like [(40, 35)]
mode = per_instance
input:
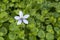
[(43, 22)]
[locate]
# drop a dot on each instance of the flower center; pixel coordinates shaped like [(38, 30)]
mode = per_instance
[(21, 18)]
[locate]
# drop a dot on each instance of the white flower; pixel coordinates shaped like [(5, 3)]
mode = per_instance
[(21, 18)]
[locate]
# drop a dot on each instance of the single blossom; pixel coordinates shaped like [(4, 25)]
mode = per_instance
[(21, 18)]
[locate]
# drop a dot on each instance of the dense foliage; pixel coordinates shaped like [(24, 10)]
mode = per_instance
[(44, 20)]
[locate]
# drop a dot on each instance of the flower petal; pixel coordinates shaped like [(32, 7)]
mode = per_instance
[(19, 22), (26, 16), (17, 17), (20, 14), (25, 21)]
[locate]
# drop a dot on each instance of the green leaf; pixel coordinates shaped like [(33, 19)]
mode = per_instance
[(11, 20), (41, 34), (52, 19), (1, 38), (49, 36), (31, 26), (0, 24), (13, 0), (12, 36), (5, 1), (3, 31), (2, 7), (58, 38), (41, 39), (49, 29), (1, 34), (3, 14), (57, 30), (14, 27), (34, 31), (21, 34), (31, 37), (40, 1)]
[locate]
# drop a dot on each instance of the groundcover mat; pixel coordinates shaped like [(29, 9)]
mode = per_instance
[(29, 19)]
